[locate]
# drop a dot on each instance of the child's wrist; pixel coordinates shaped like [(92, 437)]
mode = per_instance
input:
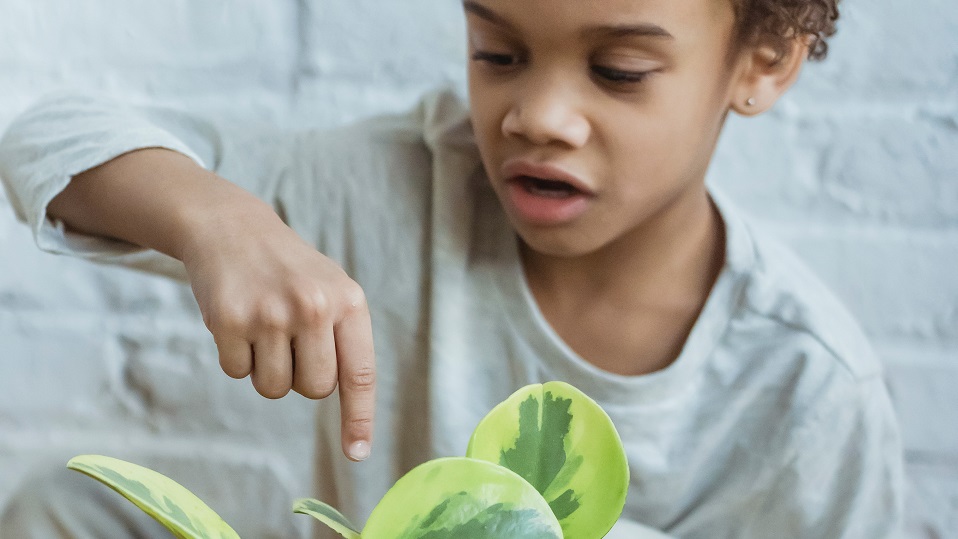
[(223, 220)]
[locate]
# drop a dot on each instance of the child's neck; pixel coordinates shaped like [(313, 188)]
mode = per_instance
[(629, 307)]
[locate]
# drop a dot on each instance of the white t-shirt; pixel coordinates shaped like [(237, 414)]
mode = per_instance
[(773, 422)]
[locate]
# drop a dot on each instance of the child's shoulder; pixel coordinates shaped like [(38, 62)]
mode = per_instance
[(437, 125), (446, 120), (782, 291)]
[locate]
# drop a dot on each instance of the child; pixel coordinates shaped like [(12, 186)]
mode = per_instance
[(560, 228)]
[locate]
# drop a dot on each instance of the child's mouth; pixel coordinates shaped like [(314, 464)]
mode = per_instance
[(547, 188), (546, 202)]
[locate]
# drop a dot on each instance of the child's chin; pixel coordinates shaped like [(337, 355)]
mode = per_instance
[(564, 242)]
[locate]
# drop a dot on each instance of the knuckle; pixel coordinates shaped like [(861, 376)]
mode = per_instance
[(234, 367), (317, 390), (273, 391), (227, 319), (354, 298), (272, 316), (363, 379), (313, 306), (207, 318), (359, 423)]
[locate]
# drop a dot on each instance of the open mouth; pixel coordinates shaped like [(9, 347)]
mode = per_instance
[(547, 188), (546, 194)]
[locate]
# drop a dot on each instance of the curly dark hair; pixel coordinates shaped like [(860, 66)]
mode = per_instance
[(777, 22)]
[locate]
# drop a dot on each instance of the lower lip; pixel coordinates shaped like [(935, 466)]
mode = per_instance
[(544, 210)]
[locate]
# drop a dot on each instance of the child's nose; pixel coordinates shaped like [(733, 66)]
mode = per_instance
[(544, 114)]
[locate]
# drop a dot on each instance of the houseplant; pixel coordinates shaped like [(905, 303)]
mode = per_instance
[(546, 463)]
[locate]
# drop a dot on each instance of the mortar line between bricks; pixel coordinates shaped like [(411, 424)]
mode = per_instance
[(912, 363), (942, 353), (896, 232), (242, 452), (932, 459), (303, 44), (181, 322), (236, 451), (906, 109)]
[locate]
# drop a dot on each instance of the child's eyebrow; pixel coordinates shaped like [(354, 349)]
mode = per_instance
[(612, 30), (483, 12), (629, 30)]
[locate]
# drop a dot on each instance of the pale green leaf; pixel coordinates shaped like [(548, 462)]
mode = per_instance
[(461, 498), (157, 495), (328, 515), (565, 445)]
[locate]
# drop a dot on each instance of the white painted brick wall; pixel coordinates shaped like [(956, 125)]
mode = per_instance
[(857, 169)]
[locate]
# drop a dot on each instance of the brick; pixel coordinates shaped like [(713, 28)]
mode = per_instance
[(188, 47), (902, 172), (142, 33), (899, 285), (151, 375), (17, 94), (11, 474), (165, 378), (55, 374), (7, 222), (922, 383), (368, 56), (374, 41), (931, 506), (34, 281), (346, 102), (757, 166), (128, 292), (887, 51), (823, 169), (172, 381)]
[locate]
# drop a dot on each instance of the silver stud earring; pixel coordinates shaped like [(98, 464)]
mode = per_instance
[(750, 102)]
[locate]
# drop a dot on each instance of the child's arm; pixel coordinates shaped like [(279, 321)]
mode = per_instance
[(265, 294)]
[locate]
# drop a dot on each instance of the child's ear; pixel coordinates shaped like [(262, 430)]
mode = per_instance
[(764, 74)]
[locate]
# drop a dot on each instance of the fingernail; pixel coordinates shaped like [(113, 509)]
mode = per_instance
[(359, 451)]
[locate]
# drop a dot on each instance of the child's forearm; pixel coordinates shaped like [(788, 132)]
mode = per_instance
[(159, 199)]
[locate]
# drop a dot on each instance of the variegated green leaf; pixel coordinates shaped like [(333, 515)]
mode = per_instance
[(159, 496), (565, 445), (461, 498), (328, 515)]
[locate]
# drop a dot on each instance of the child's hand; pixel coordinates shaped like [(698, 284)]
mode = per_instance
[(287, 316), (279, 311)]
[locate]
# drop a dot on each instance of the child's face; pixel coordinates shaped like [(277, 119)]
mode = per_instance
[(623, 98)]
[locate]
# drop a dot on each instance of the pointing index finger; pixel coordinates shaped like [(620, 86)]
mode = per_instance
[(357, 380)]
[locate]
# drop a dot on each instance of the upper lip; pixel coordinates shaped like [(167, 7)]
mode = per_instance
[(517, 168)]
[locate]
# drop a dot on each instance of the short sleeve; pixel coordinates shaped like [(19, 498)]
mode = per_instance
[(358, 193), (62, 136), (845, 478)]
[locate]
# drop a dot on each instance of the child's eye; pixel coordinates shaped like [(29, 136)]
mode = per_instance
[(496, 59), (619, 76)]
